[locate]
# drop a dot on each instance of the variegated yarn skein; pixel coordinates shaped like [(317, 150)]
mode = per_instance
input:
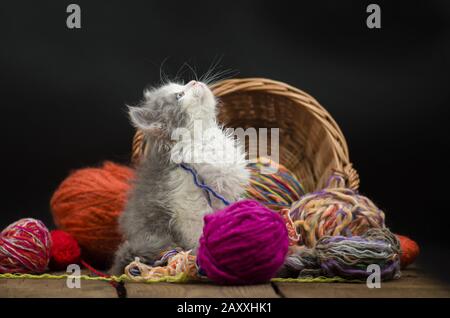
[(341, 233), (347, 257), (25, 247), (334, 210), (272, 184)]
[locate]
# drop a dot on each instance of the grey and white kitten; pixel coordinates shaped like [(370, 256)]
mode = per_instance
[(165, 208)]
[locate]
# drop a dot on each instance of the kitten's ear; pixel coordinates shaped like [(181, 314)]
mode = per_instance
[(143, 120)]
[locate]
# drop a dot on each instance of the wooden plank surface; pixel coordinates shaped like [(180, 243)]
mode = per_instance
[(200, 290), (413, 284), (54, 288)]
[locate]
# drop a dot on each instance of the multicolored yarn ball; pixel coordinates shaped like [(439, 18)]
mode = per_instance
[(245, 243), (347, 257), (410, 250), (273, 185), (87, 205), (25, 247), (335, 210), (65, 250)]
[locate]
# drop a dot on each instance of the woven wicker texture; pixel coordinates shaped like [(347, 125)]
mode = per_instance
[(312, 145)]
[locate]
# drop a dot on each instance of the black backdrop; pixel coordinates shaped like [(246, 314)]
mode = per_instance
[(63, 91)]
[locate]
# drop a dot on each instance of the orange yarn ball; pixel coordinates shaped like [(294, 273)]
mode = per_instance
[(87, 205), (410, 250)]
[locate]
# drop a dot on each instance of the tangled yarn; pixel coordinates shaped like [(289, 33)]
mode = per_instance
[(25, 247), (347, 257), (293, 236), (272, 184), (180, 262), (335, 210), (243, 243), (87, 205)]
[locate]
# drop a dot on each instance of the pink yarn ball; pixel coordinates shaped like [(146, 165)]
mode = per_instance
[(25, 247), (245, 243)]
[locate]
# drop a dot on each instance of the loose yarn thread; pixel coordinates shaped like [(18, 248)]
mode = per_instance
[(203, 186), (180, 278)]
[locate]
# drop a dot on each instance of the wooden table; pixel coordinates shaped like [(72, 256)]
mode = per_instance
[(414, 283)]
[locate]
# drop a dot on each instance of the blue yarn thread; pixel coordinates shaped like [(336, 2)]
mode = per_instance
[(163, 260), (208, 191), (203, 186)]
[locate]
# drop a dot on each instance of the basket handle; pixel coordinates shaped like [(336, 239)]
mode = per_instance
[(350, 175)]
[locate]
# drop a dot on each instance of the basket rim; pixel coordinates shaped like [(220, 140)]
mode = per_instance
[(298, 96), (229, 86)]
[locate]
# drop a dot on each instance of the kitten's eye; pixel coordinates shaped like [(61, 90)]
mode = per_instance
[(179, 95)]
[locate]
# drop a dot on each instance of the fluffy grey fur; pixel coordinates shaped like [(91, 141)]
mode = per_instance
[(165, 209), (145, 221)]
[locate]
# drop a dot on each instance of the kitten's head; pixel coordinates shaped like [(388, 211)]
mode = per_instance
[(172, 106)]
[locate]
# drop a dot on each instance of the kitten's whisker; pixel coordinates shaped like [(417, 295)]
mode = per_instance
[(162, 75), (212, 67), (222, 75), (192, 69), (183, 69)]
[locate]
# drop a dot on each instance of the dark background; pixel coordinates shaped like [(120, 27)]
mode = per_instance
[(63, 92)]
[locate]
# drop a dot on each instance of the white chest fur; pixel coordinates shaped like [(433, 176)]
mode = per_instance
[(189, 205)]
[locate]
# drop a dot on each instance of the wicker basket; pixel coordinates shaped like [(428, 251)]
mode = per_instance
[(311, 144)]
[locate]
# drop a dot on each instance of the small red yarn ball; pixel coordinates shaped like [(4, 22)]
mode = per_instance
[(65, 250), (410, 250)]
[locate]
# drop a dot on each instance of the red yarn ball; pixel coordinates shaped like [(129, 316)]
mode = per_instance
[(410, 250), (65, 250)]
